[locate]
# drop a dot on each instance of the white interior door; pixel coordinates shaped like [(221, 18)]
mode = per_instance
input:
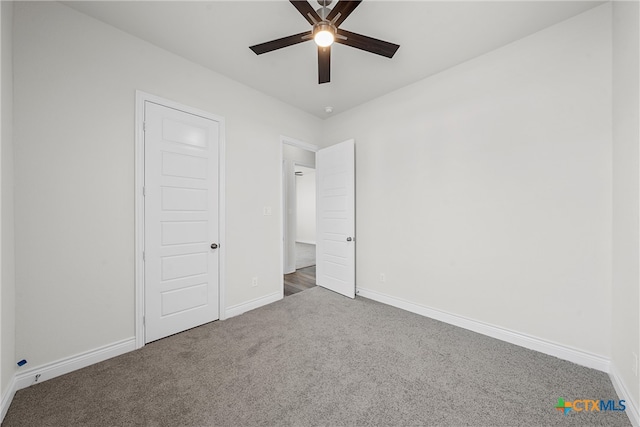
[(335, 247), (181, 221)]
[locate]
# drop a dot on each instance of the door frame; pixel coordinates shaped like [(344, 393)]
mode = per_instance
[(141, 98), (285, 140)]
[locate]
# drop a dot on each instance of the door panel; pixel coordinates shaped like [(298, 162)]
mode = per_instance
[(181, 221), (335, 175), (181, 233), (180, 165)]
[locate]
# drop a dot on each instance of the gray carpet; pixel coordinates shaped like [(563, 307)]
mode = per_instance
[(317, 358), (305, 255)]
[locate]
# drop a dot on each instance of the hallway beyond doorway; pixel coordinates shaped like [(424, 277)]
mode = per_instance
[(305, 255), (300, 280)]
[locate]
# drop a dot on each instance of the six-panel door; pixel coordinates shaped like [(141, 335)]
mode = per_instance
[(181, 221)]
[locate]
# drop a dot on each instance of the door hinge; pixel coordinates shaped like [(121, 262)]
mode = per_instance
[(144, 126), (144, 191), (143, 256), (144, 321)]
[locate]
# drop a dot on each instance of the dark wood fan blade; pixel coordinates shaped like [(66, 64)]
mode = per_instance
[(305, 10), (280, 43), (379, 47), (324, 64), (344, 8)]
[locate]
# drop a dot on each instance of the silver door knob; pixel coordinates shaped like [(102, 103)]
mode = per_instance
[(349, 239), (214, 246)]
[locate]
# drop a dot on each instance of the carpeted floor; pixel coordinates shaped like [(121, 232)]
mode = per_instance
[(317, 358), (305, 255)]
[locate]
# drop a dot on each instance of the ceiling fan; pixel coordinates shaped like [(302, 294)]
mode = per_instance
[(325, 32)]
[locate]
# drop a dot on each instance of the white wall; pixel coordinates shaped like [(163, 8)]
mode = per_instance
[(291, 156), (490, 186), (306, 206), (75, 80), (626, 193), (7, 291)]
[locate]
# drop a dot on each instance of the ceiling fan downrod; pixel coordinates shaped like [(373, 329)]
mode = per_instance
[(324, 10)]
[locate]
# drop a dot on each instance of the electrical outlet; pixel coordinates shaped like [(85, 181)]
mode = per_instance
[(635, 364), (266, 211), (254, 282), (383, 278)]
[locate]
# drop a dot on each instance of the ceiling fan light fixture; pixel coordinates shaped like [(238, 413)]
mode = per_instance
[(324, 35)]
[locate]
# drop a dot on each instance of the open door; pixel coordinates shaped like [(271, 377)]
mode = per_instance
[(335, 247)]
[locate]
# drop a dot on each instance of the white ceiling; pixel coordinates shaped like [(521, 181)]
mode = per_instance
[(433, 36)]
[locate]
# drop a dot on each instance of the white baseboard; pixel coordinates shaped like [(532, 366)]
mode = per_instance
[(51, 370), (623, 394), (308, 242), (238, 309), (7, 398), (533, 343), (69, 364)]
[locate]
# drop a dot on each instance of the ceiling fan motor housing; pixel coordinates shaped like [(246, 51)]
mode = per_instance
[(324, 26)]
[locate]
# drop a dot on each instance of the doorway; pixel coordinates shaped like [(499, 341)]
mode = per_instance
[(299, 216), (335, 213)]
